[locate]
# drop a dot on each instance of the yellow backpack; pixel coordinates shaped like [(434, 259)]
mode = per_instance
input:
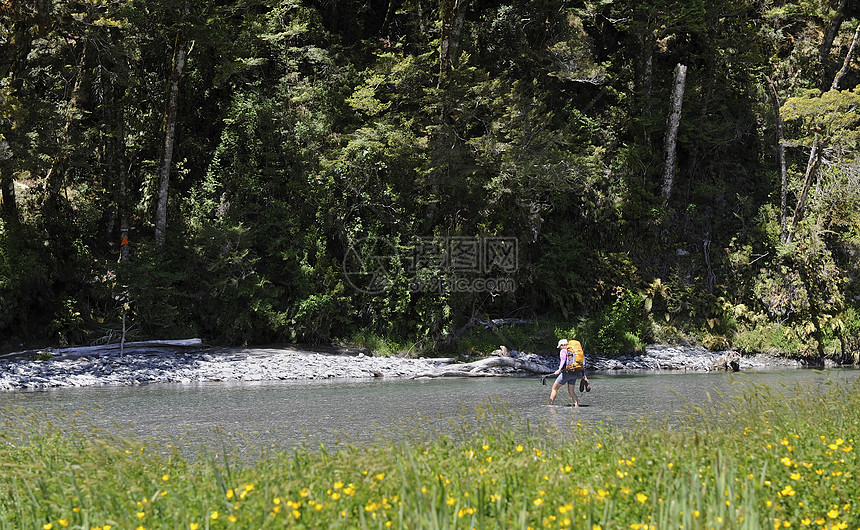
[(575, 356)]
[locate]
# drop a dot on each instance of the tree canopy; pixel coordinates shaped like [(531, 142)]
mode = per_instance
[(295, 170)]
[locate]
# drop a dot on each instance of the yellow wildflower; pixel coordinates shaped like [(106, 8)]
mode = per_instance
[(641, 497)]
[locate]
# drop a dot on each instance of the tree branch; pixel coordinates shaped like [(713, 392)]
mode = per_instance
[(848, 56)]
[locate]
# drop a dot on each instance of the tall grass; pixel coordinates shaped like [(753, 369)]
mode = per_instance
[(769, 458)]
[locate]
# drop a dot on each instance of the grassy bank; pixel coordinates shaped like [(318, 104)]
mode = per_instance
[(772, 459)]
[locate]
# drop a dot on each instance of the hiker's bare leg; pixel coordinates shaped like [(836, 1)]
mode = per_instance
[(572, 394), (554, 393)]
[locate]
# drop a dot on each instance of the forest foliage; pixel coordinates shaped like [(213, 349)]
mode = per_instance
[(315, 171)]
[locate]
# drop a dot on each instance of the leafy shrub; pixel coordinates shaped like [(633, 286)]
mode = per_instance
[(767, 338), (69, 325), (380, 345), (158, 293), (318, 316), (539, 336), (27, 272), (621, 327)]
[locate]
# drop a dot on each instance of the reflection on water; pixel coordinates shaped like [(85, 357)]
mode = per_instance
[(285, 414)]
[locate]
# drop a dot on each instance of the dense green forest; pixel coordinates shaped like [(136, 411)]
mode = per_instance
[(338, 170)]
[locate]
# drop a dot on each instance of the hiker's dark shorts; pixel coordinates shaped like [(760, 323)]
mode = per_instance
[(568, 377)]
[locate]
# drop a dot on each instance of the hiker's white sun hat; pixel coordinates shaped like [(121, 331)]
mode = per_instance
[(562, 343)]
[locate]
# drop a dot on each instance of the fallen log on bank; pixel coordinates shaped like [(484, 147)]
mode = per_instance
[(482, 368), (137, 347)]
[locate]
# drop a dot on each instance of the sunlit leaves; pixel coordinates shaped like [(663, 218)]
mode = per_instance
[(834, 115)]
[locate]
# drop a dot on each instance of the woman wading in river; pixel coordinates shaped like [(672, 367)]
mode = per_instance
[(569, 367)]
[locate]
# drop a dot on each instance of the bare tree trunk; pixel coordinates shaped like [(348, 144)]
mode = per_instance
[(383, 31), (120, 169), (12, 67), (827, 43), (842, 71), (453, 18), (7, 183), (56, 176), (672, 131), (811, 169), (783, 170), (643, 40), (815, 153), (179, 59)]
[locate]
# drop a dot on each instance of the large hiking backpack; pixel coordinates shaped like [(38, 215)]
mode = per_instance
[(575, 356)]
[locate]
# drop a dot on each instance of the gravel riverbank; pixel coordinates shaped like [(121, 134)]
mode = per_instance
[(72, 368)]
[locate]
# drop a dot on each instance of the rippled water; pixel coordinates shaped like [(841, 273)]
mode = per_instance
[(244, 416)]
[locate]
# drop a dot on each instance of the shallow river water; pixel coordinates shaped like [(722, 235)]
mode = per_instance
[(281, 415)]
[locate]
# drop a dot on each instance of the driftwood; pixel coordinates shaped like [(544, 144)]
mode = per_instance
[(489, 324), (482, 368), (147, 346), (730, 361)]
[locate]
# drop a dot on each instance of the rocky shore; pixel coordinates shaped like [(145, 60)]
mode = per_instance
[(192, 363)]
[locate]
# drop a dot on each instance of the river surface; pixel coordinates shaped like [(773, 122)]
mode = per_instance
[(243, 417)]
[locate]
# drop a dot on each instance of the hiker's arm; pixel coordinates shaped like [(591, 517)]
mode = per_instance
[(562, 361)]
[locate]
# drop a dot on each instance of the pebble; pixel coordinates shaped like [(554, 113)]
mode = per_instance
[(269, 364)]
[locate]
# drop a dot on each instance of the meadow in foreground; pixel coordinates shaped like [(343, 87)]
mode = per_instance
[(768, 458)]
